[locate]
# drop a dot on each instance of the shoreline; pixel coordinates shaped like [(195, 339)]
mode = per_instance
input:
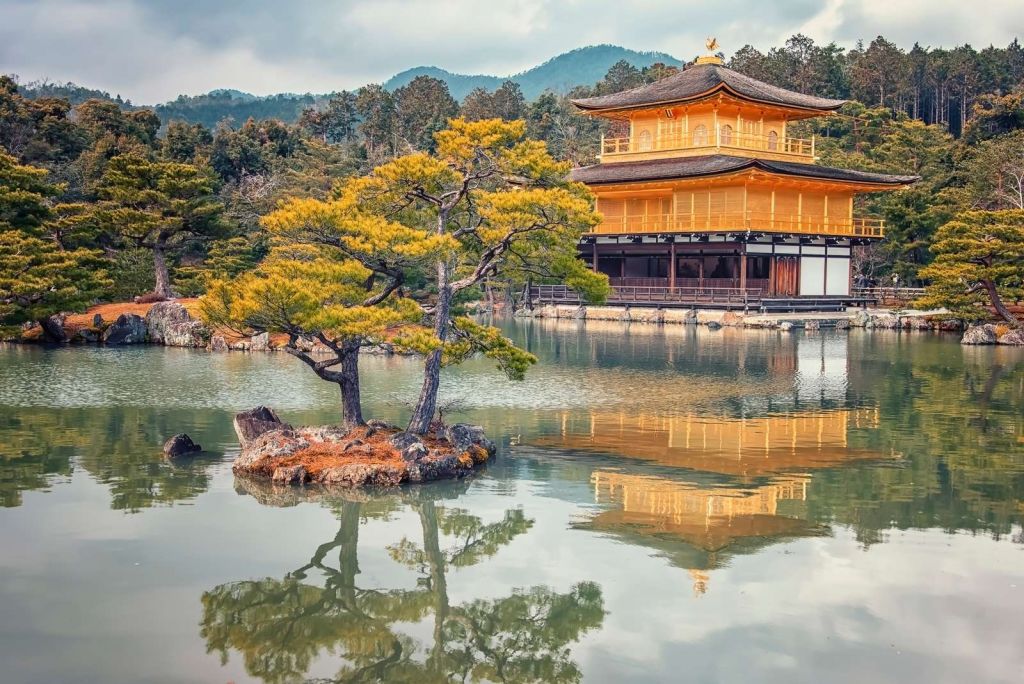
[(171, 324), (885, 319)]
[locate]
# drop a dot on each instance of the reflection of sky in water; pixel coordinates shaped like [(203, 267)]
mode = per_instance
[(849, 508)]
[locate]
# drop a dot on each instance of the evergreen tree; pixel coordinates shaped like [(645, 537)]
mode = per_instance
[(38, 277), (979, 260), (503, 205), (376, 109), (158, 206), (423, 107)]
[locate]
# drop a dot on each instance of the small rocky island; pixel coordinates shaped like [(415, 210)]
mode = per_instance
[(377, 454)]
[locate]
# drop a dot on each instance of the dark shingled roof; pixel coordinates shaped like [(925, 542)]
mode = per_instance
[(699, 81), (718, 164)]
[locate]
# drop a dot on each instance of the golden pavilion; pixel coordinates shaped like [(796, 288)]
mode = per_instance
[(707, 192)]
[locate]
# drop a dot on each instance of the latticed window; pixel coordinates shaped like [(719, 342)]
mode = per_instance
[(644, 142), (726, 134), (700, 136), (773, 140)]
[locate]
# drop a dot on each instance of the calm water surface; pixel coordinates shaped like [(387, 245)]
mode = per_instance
[(667, 505)]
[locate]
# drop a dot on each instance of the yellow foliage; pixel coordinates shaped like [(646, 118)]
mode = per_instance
[(305, 298)]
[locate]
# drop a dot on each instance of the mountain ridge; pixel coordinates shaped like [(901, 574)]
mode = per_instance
[(581, 66), (561, 73)]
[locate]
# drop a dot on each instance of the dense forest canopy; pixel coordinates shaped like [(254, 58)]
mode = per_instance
[(955, 117)]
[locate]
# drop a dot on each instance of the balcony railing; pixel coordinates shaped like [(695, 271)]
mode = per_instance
[(754, 221), (708, 142)]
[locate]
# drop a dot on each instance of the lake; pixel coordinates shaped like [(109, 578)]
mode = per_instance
[(667, 504)]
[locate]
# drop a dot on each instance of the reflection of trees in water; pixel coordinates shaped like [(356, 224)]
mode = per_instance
[(281, 626), (957, 419), (118, 447)]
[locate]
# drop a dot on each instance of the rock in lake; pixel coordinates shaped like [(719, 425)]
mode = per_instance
[(259, 342), (1014, 337), (861, 318), (170, 324), (980, 334), (180, 445), (462, 436), (255, 422), (127, 329), (885, 321)]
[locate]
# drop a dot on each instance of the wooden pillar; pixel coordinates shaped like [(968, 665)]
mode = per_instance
[(594, 264), (707, 221), (672, 264), (743, 268)]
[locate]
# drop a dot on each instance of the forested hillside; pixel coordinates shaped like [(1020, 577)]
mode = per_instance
[(83, 183)]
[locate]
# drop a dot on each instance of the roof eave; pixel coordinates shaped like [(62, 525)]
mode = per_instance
[(881, 185), (701, 96)]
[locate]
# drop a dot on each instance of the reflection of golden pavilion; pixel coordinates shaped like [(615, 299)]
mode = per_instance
[(708, 517), (697, 525), (734, 446)]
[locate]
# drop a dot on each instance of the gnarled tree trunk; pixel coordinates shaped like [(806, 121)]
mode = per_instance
[(426, 405), (346, 360), (997, 304), (163, 278), (348, 380)]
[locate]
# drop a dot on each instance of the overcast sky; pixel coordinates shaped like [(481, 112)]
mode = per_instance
[(152, 50)]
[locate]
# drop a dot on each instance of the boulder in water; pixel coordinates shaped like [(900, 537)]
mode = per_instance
[(259, 342), (180, 445), (980, 334), (255, 422), (127, 329), (462, 436), (1014, 337), (170, 324)]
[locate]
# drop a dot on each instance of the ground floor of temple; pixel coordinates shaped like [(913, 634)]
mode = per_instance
[(726, 269)]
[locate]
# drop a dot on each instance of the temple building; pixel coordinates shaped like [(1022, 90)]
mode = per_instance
[(708, 192)]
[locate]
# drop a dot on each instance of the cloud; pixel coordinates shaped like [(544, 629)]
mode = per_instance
[(152, 50)]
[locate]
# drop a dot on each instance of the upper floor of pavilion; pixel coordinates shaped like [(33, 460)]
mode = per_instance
[(707, 108)]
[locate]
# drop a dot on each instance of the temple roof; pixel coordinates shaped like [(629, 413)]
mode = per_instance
[(718, 164), (702, 80)]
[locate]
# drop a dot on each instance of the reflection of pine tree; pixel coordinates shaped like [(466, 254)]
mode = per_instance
[(281, 626)]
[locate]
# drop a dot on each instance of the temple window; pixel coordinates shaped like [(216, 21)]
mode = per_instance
[(645, 141), (773, 140), (726, 135), (700, 136)]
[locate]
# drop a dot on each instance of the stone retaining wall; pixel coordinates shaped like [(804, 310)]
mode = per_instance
[(872, 319)]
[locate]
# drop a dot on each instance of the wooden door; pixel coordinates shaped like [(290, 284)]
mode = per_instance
[(784, 278)]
